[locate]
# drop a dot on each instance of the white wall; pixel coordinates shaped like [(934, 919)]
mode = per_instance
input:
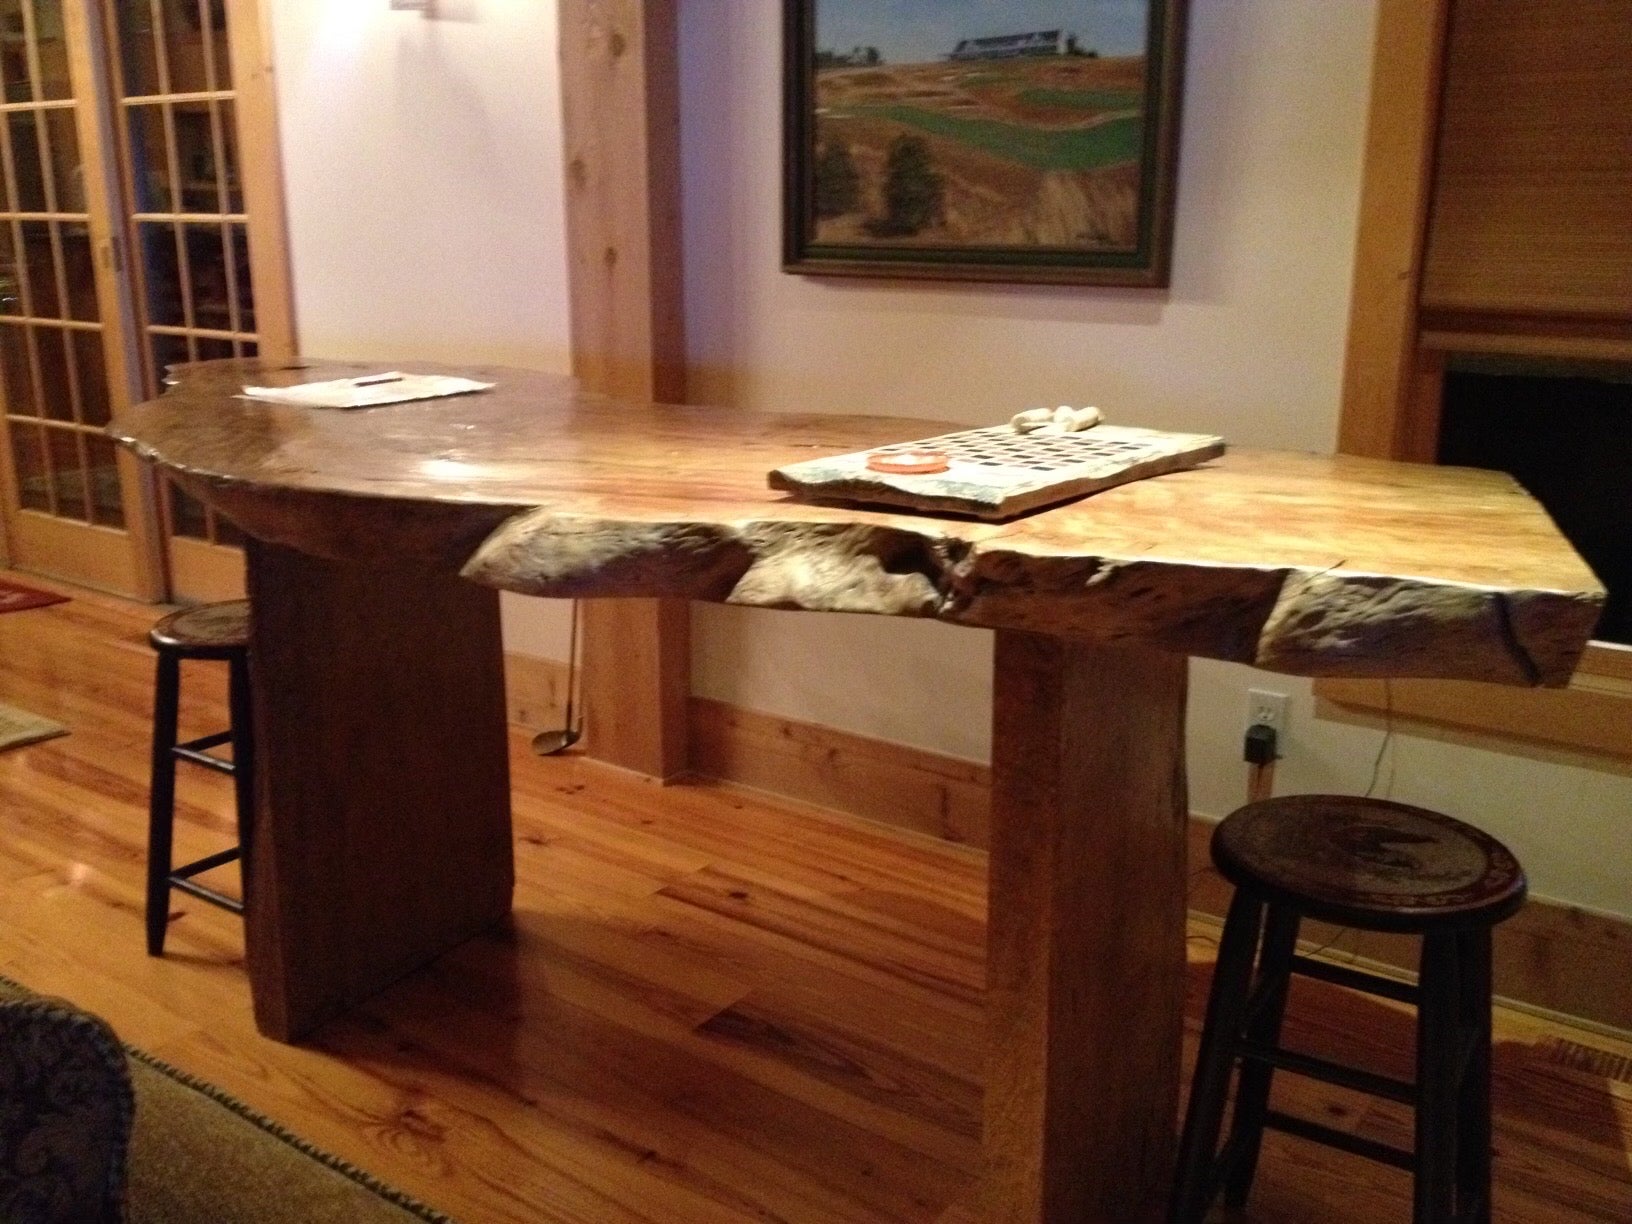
[(1248, 343), (422, 164)]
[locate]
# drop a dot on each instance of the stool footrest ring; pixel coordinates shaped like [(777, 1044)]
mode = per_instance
[(205, 741), (1356, 979), (190, 752), (1343, 1140), (195, 889), (1329, 1072), (199, 866)]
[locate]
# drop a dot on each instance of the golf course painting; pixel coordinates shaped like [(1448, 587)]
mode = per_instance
[(1026, 140)]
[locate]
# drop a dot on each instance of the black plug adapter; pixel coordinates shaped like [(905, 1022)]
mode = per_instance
[(1260, 747)]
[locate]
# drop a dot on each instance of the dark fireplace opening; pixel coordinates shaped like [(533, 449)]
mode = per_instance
[(1567, 437)]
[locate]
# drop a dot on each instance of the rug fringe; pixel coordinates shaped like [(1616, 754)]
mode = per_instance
[(276, 1129)]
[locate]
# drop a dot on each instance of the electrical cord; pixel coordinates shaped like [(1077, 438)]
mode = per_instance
[(1388, 738)]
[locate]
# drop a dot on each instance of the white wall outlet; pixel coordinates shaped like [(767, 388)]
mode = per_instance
[(1268, 709)]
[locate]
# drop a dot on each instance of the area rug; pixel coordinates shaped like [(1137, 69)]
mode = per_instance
[(17, 598), (19, 727), (198, 1154)]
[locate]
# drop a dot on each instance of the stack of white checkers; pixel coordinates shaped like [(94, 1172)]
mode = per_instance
[(996, 473)]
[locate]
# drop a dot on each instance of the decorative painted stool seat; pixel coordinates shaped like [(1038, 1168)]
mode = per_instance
[(207, 631), (217, 631), (1378, 866)]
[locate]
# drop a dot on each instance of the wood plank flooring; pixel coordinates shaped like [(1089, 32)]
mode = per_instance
[(710, 1007)]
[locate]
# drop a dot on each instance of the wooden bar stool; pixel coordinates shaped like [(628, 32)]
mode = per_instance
[(1378, 866), (218, 631)]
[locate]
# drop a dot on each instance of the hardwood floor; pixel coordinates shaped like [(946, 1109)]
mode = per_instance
[(709, 1006)]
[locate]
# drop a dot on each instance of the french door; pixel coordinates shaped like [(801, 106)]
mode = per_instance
[(74, 507), (197, 142), (144, 210)]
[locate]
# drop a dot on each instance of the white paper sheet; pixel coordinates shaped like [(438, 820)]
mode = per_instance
[(367, 390)]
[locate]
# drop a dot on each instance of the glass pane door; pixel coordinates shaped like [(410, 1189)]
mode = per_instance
[(70, 497), (178, 120)]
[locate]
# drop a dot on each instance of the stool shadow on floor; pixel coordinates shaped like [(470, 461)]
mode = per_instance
[(1558, 1098)]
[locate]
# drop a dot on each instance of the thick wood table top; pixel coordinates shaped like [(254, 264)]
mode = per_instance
[(1315, 565)]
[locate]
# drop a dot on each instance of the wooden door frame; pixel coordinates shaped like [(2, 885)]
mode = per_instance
[(620, 117)]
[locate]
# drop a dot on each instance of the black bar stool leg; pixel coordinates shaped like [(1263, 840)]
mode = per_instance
[(1473, 1153), (161, 810), (1264, 1028), (243, 760), (1221, 1035), (1438, 1031)]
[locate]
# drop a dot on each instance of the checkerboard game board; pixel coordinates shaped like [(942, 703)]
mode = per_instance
[(996, 473)]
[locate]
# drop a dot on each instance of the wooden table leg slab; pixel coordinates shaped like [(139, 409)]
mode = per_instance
[(1086, 944), (383, 785)]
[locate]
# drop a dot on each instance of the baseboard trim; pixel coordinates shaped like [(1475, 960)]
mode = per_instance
[(890, 783), (1549, 956)]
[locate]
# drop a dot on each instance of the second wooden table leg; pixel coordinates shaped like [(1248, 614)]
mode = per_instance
[(1086, 945), (383, 786)]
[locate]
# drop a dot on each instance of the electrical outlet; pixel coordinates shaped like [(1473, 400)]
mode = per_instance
[(1267, 709)]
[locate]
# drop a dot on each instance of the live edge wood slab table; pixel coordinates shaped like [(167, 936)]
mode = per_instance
[(379, 539)]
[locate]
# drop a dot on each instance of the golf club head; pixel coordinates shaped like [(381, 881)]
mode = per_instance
[(548, 743)]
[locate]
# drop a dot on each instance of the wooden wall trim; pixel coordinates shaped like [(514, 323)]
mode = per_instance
[(1588, 718), (890, 783), (1555, 957), (620, 112), (1593, 716), (1380, 365), (254, 78)]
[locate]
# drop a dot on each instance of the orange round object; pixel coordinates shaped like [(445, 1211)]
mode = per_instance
[(908, 462)]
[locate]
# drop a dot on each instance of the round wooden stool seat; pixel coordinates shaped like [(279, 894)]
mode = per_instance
[(209, 631), (1369, 863)]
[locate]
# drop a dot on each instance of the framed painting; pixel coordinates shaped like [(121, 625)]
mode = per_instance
[(1033, 140)]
